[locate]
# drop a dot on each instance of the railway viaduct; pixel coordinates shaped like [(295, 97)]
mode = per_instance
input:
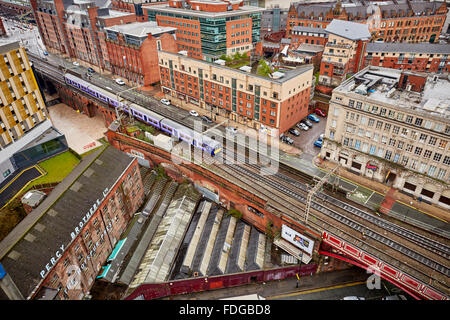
[(266, 207)]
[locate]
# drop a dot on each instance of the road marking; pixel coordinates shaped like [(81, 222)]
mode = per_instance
[(369, 197), (316, 290), (428, 214)]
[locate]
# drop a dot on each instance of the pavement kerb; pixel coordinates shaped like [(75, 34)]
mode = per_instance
[(2, 254)]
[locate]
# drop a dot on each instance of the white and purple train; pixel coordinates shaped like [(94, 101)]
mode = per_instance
[(162, 123)]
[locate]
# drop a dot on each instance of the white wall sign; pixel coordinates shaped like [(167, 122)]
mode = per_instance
[(297, 239)]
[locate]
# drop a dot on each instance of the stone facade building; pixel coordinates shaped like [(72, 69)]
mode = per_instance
[(393, 126)]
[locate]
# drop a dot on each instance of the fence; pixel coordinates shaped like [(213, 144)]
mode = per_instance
[(158, 290)]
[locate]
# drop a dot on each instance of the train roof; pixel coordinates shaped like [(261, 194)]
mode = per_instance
[(146, 111)]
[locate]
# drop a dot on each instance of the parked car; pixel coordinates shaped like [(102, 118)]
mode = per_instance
[(287, 140), (206, 119), (321, 137), (165, 101), (313, 117), (45, 53), (318, 143), (75, 63), (90, 70), (120, 82), (353, 298), (193, 113), (294, 132), (320, 112), (281, 136), (307, 122), (232, 130), (302, 126)]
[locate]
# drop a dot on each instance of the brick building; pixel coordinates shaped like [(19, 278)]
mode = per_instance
[(77, 28), (393, 126), (399, 20), (132, 50), (278, 101), (59, 248), (308, 35), (343, 51), (209, 29), (423, 57)]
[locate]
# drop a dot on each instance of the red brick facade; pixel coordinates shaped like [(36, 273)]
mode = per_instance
[(97, 237), (400, 24), (431, 61), (141, 62)]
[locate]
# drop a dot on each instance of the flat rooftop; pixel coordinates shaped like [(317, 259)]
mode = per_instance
[(140, 29), (381, 85), (285, 76), (203, 14)]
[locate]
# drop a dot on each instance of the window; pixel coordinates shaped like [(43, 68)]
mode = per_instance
[(431, 171), (437, 157), (404, 161), (388, 155), (336, 112), (418, 122), (441, 174), (395, 130), (418, 151), (396, 157), (371, 122), (422, 167), (384, 139), (372, 149), (379, 124), (409, 119), (423, 138), (351, 103), (427, 154), (442, 144), (392, 142), (432, 141)]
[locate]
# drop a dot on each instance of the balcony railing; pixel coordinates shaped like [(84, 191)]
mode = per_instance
[(336, 45)]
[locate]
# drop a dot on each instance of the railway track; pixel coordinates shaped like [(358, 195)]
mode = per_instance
[(429, 244), (426, 243), (344, 219)]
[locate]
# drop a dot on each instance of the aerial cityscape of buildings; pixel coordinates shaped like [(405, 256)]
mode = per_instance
[(168, 149)]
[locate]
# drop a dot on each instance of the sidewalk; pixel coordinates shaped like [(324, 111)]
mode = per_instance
[(393, 203), (390, 192)]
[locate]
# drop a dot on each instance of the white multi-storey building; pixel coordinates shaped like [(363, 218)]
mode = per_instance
[(393, 126)]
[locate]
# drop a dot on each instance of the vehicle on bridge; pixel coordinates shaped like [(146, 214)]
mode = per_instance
[(172, 128)]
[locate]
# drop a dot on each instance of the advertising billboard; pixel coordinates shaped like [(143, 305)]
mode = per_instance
[(297, 239)]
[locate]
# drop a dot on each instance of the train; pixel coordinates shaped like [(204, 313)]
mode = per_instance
[(154, 119)]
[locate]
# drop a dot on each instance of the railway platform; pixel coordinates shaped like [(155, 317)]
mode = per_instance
[(392, 202)]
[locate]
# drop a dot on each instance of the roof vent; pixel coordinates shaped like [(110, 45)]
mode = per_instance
[(184, 53), (245, 68), (277, 75), (220, 61)]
